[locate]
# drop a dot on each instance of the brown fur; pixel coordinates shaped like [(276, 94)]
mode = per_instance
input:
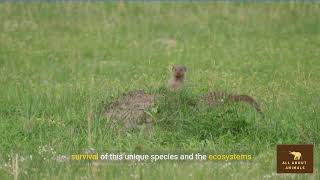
[(215, 98), (176, 81), (177, 77)]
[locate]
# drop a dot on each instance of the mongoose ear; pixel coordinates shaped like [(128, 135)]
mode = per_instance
[(173, 67)]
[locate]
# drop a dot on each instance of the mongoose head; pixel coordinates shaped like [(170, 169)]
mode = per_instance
[(178, 71)]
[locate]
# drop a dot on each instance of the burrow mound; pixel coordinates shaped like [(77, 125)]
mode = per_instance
[(130, 109)]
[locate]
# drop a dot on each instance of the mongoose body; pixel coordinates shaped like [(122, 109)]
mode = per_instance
[(218, 97), (176, 82), (177, 77)]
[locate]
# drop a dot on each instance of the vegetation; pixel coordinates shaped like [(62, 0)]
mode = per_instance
[(60, 63)]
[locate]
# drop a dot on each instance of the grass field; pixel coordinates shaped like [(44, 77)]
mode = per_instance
[(61, 62)]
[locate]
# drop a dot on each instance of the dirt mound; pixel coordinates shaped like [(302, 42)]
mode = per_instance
[(129, 110)]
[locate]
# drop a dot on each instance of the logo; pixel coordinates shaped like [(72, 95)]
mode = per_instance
[(295, 158), (296, 155)]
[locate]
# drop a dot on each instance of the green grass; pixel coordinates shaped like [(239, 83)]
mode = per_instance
[(60, 62)]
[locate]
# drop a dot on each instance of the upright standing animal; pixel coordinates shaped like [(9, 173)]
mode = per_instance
[(176, 82), (178, 73)]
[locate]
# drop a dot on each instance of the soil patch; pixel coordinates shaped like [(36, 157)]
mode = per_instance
[(129, 110)]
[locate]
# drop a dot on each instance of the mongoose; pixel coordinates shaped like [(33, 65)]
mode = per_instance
[(217, 97), (212, 98), (177, 77)]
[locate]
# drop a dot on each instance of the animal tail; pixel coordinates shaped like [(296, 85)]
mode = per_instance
[(247, 99)]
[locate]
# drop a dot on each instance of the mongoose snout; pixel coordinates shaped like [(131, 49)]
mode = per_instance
[(178, 70)]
